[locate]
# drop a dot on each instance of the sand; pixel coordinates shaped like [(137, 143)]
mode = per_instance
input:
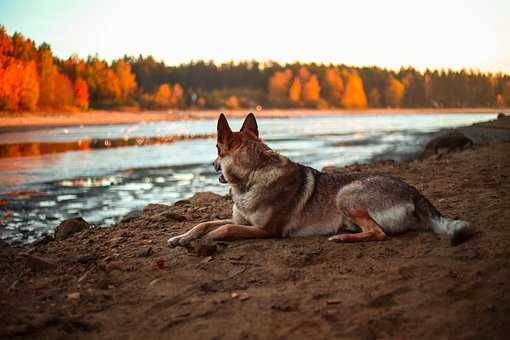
[(124, 282)]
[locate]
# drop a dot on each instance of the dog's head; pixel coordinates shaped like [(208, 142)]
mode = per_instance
[(240, 153)]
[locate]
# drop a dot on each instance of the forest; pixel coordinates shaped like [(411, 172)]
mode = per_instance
[(33, 79)]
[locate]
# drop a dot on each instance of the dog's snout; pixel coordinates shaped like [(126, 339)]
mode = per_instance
[(217, 165)]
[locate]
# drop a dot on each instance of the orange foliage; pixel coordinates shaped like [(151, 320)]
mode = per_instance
[(335, 86), (163, 95), (295, 91), (48, 73), (19, 85), (29, 87), (81, 94), (311, 90), (9, 85), (354, 96), (232, 102), (177, 95), (64, 92), (394, 92), (500, 101), (279, 85), (304, 74), (127, 81)]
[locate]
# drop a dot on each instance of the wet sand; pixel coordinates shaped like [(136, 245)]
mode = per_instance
[(416, 285), (9, 121)]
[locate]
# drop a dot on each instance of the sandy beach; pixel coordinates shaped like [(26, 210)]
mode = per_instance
[(416, 285)]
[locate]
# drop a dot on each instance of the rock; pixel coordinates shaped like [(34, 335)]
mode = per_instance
[(131, 216), (452, 141), (69, 227), (74, 296), (144, 251), (502, 115), (240, 296)]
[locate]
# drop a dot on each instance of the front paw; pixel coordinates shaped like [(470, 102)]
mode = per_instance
[(180, 240)]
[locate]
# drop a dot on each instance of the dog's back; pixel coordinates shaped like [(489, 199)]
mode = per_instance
[(304, 201)]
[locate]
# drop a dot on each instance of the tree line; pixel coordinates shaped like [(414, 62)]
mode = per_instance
[(33, 79)]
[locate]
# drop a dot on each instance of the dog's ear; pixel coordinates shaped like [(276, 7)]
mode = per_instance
[(250, 124), (224, 131)]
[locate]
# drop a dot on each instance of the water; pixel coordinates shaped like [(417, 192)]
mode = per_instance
[(37, 192)]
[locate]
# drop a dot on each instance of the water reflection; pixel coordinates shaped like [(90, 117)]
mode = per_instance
[(43, 148)]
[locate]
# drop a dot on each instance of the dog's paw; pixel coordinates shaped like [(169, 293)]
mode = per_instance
[(174, 241), (180, 240)]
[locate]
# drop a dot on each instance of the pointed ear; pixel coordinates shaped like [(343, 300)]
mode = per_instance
[(224, 131), (250, 124)]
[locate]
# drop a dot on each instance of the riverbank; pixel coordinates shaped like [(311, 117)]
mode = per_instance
[(124, 281), (9, 121)]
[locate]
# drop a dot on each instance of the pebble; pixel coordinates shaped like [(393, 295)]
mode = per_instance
[(144, 252), (153, 282), (69, 227), (74, 296), (83, 277), (240, 296)]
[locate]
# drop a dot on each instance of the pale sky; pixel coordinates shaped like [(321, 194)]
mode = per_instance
[(425, 33)]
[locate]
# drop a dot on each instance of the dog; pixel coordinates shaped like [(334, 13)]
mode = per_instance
[(276, 197)]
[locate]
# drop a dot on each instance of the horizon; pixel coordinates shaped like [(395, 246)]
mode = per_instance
[(294, 37)]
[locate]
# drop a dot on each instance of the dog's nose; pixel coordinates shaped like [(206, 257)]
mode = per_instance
[(216, 165)]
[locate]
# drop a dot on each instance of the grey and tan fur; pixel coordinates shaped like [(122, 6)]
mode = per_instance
[(276, 197)]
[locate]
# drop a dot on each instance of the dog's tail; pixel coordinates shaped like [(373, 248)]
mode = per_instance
[(459, 230)]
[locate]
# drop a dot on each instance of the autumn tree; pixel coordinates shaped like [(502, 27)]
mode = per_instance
[(29, 96), (64, 96), (177, 95), (295, 91), (47, 75), (163, 95), (126, 79), (279, 86), (354, 95), (81, 94), (334, 86), (311, 91), (394, 91), (232, 103)]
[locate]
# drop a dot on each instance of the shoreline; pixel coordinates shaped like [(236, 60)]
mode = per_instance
[(89, 284), (26, 121)]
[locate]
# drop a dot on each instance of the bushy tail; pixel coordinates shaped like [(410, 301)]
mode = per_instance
[(458, 229)]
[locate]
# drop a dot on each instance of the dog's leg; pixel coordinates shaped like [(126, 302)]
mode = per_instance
[(237, 231), (370, 230), (196, 232)]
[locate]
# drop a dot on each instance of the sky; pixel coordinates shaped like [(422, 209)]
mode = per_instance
[(391, 33)]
